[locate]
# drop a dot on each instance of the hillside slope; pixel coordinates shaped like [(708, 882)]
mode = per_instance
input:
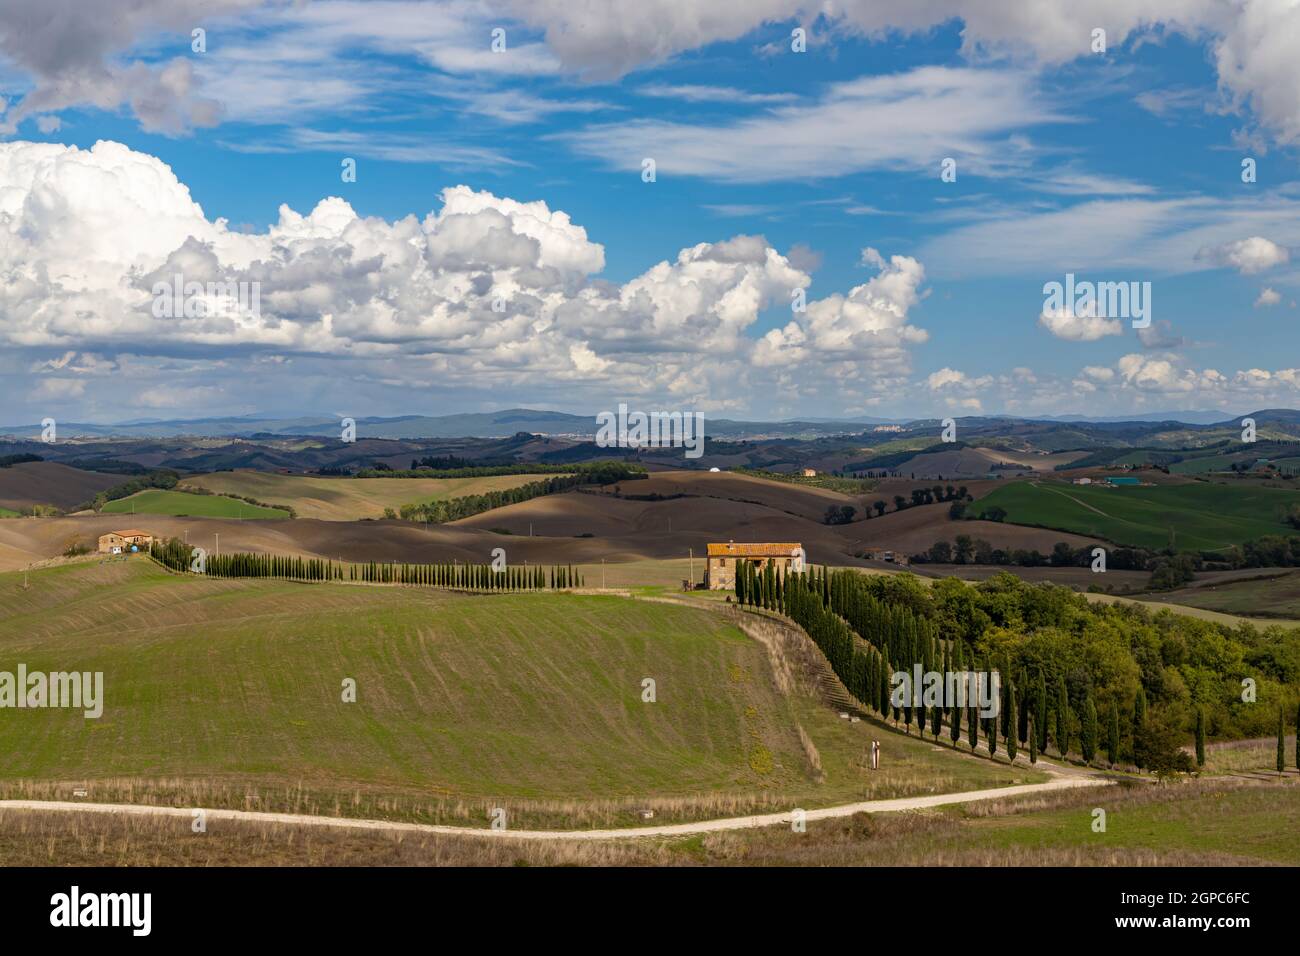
[(49, 483)]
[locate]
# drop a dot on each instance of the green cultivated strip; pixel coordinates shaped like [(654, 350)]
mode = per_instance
[(1199, 516), (163, 502)]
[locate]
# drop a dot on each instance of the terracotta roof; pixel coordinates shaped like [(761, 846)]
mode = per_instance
[(762, 550), (132, 533)]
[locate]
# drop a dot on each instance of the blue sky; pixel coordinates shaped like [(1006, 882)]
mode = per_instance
[(1117, 166)]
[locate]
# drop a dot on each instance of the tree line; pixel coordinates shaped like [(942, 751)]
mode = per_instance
[(8, 461), (596, 472), (163, 478), (966, 549), (1169, 569), (1114, 682), (453, 509), (178, 556)]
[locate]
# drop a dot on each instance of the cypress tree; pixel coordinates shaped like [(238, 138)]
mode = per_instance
[(1040, 714), (1022, 725), (954, 731), (1088, 733), (1033, 741), (1009, 721), (1297, 737), (1112, 734), (920, 711), (1062, 720), (907, 712), (740, 584), (1281, 739), (889, 690), (1200, 737)]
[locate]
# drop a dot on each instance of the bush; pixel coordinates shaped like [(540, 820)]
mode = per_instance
[(1157, 746)]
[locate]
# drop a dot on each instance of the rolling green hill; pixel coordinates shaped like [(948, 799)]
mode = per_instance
[(156, 501), (1197, 516), (349, 499), (218, 689)]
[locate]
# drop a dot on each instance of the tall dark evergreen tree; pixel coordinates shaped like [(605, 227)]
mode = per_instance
[(1112, 734), (882, 692), (1022, 724), (959, 665), (1281, 739), (888, 689), (924, 656), (1040, 711), (1088, 732), (1062, 720), (1200, 736), (1009, 721)]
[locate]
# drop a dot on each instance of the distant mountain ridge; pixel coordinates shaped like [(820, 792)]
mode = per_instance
[(502, 424), (1187, 418)]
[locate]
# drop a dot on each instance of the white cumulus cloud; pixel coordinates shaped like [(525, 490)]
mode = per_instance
[(1065, 324), (1247, 256), (482, 290)]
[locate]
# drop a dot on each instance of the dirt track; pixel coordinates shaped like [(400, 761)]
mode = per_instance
[(1061, 782)]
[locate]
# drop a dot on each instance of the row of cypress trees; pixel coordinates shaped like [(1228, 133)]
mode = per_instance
[(443, 510), (242, 565), (177, 555), (866, 640)]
